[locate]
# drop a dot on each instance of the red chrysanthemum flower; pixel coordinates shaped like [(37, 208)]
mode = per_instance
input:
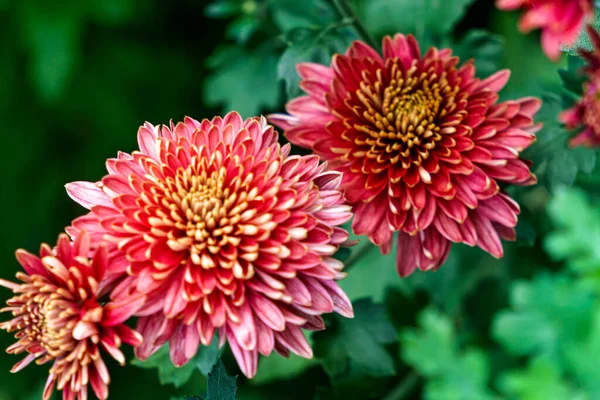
[(422, 145), (60, 317), (560, 20), (586, 112), (223, 230)]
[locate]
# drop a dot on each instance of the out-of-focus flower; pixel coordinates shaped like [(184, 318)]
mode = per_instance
[(422, 145), (585, 114), (60, 317), (223, 230), (561, 21)]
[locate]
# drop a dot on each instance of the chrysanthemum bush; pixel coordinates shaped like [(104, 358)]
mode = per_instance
[(382, 235)]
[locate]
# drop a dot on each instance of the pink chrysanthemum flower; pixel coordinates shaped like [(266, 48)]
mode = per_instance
[(560, 20), (60, 317), (223, 230), (585, 114), (422, 145)]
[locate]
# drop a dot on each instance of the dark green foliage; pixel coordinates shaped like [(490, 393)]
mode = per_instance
[(451, 372), (483, 47), (421, 18), (555, 163), (169, 374), (310, 45), (357, 343), (242, 80), (220, 385)]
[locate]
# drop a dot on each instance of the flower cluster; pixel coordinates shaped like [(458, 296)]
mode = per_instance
[(561, 21), (212, 228), (585, 114), (423, 146)]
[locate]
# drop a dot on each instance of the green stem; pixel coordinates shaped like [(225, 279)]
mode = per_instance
[(346, 12), (341, 23), (404, 387), (357, 252)]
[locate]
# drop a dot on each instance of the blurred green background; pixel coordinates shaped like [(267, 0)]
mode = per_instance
[(77, 78)]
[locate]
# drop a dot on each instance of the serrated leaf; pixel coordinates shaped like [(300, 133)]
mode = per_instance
[(360, 340), (583, 359), (460, 275), (310, 45), (467, 379), (554, 162), (428, 20), (571, 76), (546, 313), (242, 80), (292, 14), (242, 28), (452, 373), (277, 367), (431, 348), (577, 237), (220, 385), (178, 376), (541, 380), (482, 46)]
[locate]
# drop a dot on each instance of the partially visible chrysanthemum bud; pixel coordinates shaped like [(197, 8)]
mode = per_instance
[(422, 144), (561, 21), (59, 316), (223, 230)]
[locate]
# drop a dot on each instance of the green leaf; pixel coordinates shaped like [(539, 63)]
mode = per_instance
[(577, 238), (359, 341), (571, 76), (242, 80), (482, 46), (242, 28), (276, 367), (223, 9), (554, 162), (546, 313), (53, 38), (431, 348), (292, 14), (451, 373), (583, 359), (206, 356), (541, 380), (460, 275), (428, 20), (467, 379), (314, 45), (178, 376), (220, 385)]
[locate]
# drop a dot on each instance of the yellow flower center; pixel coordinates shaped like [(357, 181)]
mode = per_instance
[(403, 116)]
